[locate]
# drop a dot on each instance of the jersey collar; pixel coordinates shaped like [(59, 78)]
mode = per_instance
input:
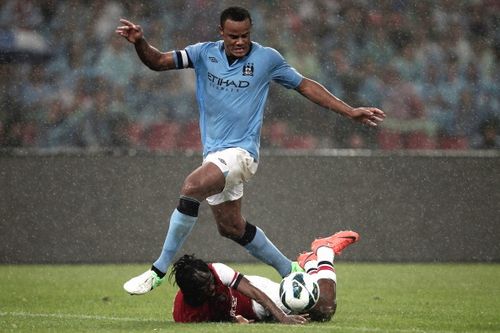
[(237, 60)]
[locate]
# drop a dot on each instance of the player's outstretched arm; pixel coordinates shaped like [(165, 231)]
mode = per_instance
[(246, 288), (318, 94), (149, 55)]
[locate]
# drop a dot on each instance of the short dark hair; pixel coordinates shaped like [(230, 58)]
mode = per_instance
[(235, 13), (192, 275)]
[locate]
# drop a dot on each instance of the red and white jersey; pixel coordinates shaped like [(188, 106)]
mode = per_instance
[(224, 306)]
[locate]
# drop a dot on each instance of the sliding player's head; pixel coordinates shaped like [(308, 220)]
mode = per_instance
[(194, 278)]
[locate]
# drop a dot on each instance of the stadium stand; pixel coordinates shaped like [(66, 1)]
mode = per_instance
[(431, 65)]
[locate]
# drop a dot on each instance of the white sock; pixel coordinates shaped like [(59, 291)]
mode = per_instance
[(325, 254), (325, 268), (311, 267)]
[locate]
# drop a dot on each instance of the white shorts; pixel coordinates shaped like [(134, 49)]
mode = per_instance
[(238, 166), (272, 290)]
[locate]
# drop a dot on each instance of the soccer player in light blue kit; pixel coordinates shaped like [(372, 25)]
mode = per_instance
[(232, 77)]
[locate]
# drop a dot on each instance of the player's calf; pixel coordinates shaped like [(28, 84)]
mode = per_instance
[(327, 304)]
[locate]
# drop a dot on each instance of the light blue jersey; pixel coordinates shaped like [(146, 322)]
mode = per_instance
[(232, 97)]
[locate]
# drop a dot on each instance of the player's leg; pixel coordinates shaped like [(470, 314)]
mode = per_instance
[(326, 277), (323, 252), (238, 167), (201, 183), (232, 225)]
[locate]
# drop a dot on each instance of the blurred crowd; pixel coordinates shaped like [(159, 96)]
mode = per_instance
[(432, 66)]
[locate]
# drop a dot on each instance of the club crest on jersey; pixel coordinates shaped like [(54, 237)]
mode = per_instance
[(248, 69)]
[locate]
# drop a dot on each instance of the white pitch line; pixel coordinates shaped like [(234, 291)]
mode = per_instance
[(128, 319), (375, 329), (74, 316), (397, 330)]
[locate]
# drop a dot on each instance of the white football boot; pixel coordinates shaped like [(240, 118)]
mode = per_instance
[(143, 283)]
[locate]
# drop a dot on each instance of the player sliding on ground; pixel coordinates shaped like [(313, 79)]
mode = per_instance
[(215, 292), (233, 76)]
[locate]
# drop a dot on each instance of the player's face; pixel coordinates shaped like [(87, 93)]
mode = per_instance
[(236, 36)]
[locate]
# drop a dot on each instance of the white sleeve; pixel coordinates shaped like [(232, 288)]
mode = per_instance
[(227, 275)]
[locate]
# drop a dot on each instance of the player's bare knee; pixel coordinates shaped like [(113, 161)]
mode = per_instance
[(190, 188)]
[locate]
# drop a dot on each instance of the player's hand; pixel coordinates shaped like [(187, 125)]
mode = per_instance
[(239, 319), (367, 115), (295, 319), (130, 31)]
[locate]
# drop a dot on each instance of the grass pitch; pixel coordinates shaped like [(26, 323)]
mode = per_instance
[(405, 298)]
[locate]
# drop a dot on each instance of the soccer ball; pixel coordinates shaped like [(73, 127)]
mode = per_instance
[(299, 292)]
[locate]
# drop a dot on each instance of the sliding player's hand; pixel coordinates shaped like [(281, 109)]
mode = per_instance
[(242, 320), (295, 319), (130, 31)]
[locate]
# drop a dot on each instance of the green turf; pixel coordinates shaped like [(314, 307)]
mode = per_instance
[(371, 298)]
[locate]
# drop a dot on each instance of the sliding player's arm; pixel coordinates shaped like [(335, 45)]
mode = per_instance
[(245, 287)]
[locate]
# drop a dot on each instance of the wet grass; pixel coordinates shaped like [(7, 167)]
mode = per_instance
[(371, 298)]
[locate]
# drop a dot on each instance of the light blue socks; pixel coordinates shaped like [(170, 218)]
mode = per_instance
[(264, 250), (180, 227)]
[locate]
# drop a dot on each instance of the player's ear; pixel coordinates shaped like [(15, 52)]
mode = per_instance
[(221, 30)]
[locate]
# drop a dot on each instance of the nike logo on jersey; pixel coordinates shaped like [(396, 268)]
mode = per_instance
[(213, 59)]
